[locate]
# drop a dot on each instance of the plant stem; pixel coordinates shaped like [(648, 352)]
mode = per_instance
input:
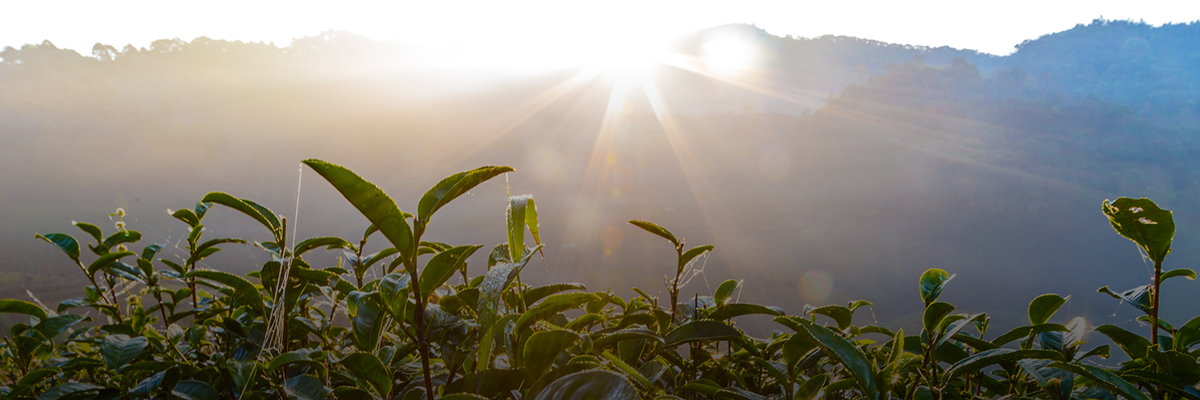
[(675, 283), (1154, 295), (419, 314)]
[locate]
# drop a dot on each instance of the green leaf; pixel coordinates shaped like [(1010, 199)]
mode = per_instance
[(593, 384), (21, 307), (367, 367), (655, 229), (690, 255), (443, 266), (1187, 335), (1106, 379), (721, 295), (628, 370), (294, 357), (728, 311), (613, 338), (118, 350), (811, 389), (934, 313), (51, 327), (371, 201), (105, 260), (69, 390), (453, 186), (697, 331), (305, 387), (91, 230), (1002, 355), (1140, 220), (367, 323), (125, 236), (1184, 272), (64, 242), (1043, 307), (244, 291), (542, 349), (250, 208), (1026, 331), (36, 376), (551, 306), (933, 280), (840, 350), (516, 224), (1135, 346), (538, 293), (185, 215), (1138, 297), (842, 316), (463, 396), (493, 286), (954, 328), (329, 242), (702, 386)]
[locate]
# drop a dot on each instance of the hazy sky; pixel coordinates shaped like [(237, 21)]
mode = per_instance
[(545, 27)]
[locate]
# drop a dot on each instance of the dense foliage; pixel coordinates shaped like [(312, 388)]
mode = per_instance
[(175, 329)]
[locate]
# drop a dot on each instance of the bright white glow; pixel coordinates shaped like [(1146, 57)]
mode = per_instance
[(628, 62), (729, 55)]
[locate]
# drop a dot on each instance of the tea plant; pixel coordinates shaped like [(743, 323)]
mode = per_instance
[(418, 332)]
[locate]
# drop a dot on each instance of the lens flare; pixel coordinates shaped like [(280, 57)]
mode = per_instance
[(816, 285)]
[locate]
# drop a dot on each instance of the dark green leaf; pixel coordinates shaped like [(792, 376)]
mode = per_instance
[(696, 331), (1143, 222), (1106, 379), (590, 385), (21, 307), (51, 327), (250, 208), (542, 349), (305, 387), (613, 338), (538, 293), (185, 215), (1026, 331), (1184, 272), (1187, 335), (327, 242), (118, 350), (811, 389), (91, 230), (69, 390), (842, 316), (655, 229), (934, 313), (841, 350), (516, 225), (690, 255), (728, 311), (994, 356), (443, 266), (721, 295), (1138, 297), (64, 242), (367, 367), (245, 292), (1134, 345), (367, 323), (454, 186), (124, 236), (1044, 306), (552, 305), (105, 260), (933, 280), (294, 357), (371, 201)]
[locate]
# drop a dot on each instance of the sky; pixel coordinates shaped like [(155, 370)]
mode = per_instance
[(528, 28)]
